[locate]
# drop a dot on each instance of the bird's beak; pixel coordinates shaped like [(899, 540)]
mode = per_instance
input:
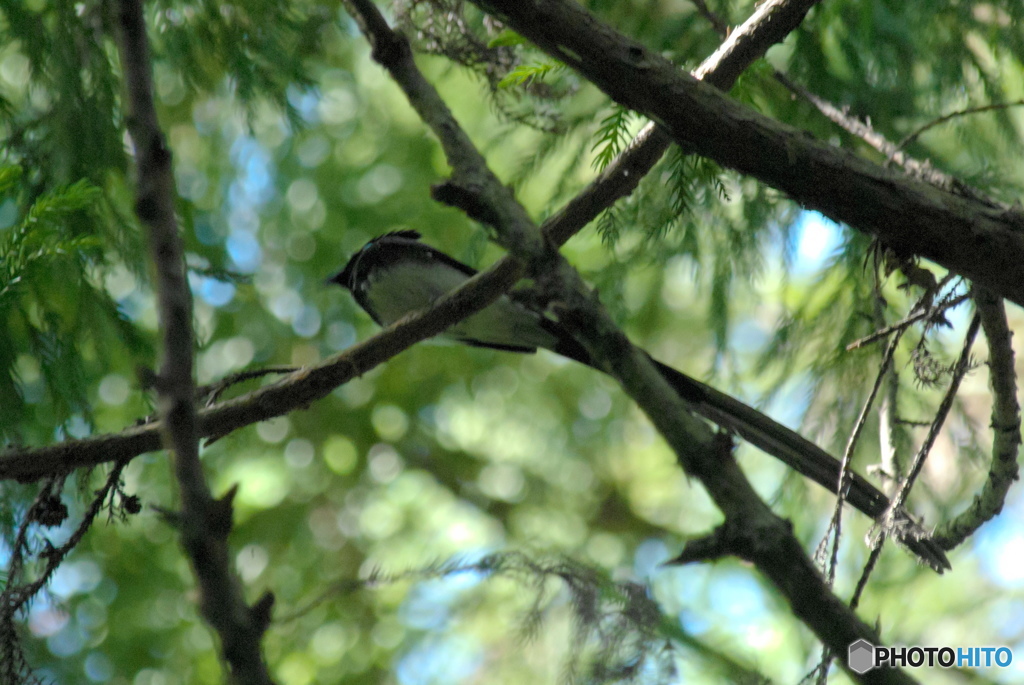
[(341, 278)]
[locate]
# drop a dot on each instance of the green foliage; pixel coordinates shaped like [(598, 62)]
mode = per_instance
[(527, 74), (48, 305), (611, 136), (258, 48), (506, 38)]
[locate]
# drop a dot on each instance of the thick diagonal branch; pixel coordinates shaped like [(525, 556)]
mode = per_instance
[(769, 24), (767, 540), (974, 238)]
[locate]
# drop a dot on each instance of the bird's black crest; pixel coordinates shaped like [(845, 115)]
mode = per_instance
[(369, 256), (404, 233)]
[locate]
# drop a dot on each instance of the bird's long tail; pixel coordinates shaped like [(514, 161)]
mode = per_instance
[(798, 453), (788, 446)]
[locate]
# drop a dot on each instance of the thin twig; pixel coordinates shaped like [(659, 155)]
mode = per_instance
[(719, 24), (889, 434), (926, 313), (210, 393), (862, 582), (16, 594), (953, 115), (20, 546), (54, 556), (893, 523), (963, 365), (835, 524), (893, 153), (937, 559)]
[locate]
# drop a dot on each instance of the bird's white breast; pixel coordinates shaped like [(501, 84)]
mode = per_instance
[(412, 285)]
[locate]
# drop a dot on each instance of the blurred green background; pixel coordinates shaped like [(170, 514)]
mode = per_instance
[(291, 149)]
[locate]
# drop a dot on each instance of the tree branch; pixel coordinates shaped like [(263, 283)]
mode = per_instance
[(46, 510), (769, 24), (1006, 437), (834, 530), (719, 24), (977, 239), (954, 115), (472, 187), (767, 540), (751, 530), (892, 523), (205, 523), (892, 151), (299, 390), (295, 391), (932, 313)]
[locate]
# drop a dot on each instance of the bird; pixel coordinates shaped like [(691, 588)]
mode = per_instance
[(396, 274)]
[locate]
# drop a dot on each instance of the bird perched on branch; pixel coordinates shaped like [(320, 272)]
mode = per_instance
[(395, 274)]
